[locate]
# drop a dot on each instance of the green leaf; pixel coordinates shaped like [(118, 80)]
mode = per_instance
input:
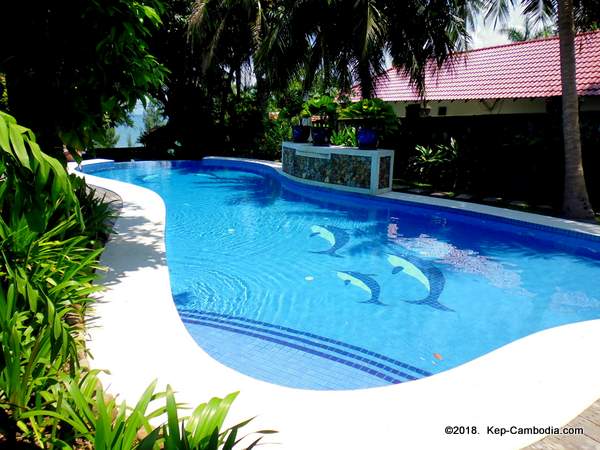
[(172, 419), (18, 146), (149, 441), (4, 139)]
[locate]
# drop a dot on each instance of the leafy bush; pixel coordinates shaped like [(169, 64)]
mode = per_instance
[(435, 163), (324, 107), (372, 113), (276, 131), (291, 104), (346, 136), (50, 225)]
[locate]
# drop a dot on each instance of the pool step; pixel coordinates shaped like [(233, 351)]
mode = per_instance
[(380, 366)]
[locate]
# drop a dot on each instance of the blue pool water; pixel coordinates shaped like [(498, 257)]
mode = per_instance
[(311, 288)]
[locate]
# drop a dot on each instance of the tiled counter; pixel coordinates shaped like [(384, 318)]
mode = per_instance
[(345, 168)]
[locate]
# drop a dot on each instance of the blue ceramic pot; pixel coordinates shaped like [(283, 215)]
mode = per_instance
[(300, 133), (320, 136), (367, 138)]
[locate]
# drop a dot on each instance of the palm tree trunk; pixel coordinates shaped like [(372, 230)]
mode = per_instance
[(366, 80), (576, 203)]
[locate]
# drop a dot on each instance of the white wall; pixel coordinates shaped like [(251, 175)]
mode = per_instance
[(500, 106)]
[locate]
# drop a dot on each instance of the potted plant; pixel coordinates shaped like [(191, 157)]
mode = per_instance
[(375, 117), (297, 113), (323, 111), (301, 131)]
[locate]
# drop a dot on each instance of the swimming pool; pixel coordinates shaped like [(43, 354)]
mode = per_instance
[(315, 289)]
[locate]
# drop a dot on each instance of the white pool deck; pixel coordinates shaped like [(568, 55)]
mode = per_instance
[(543, 379)]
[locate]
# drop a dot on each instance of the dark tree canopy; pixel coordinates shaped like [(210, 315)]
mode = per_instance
[(348, 41), (74, 68)]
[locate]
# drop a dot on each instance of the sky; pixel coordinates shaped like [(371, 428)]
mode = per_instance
[(484, 34), (129, 135)]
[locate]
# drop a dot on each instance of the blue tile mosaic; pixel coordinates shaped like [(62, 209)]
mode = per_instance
[(357, 351), (357, 361)]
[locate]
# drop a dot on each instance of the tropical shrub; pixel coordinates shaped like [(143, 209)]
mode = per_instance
[(373, 113), (50, 231), (323, 107), (276, 131), (291, 104), (47, 264), (345, 136), (435, 163), (74, 68)]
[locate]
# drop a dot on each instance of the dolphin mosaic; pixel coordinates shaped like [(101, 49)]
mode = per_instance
[(336, 237), (364, 282), (425, 273)]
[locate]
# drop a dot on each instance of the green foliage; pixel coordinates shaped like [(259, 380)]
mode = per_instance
[(48, 266), (72, 66), (81, 406), (432, 163), (36, 191), (346, 41), (346, 136), (276, 131), (109, 139), (97, 213), (541, 17), (3, 92), (202, 430), (153, 116), (290, 103), (329, 46), (324, 107), (373, 113)]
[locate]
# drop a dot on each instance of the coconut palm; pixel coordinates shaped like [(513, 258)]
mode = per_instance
[(343, 41), (347, 41), (567, 15), (528, 32), (227, 33)]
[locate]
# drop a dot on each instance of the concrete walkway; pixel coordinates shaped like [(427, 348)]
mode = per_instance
[(589, 420)]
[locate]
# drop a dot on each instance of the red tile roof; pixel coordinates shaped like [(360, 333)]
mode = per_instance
[(521, 70)]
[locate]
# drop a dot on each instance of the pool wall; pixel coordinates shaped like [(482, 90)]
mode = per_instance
[(543, 379)]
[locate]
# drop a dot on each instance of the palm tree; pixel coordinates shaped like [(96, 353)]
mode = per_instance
[(528, 32), (576, 203), (344, 41), (347, 41), (227, 32)]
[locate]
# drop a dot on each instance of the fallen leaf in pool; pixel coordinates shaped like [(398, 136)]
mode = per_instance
[(437, 356)]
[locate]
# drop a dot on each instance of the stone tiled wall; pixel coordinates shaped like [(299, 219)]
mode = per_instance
[(385, 164), (287, 159), (347, 170)]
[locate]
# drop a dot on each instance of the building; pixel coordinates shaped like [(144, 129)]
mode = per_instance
[(518, 78)]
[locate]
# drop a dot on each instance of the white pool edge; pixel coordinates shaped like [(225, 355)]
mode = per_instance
[(543, 379)]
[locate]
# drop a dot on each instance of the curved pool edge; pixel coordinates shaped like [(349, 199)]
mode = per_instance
[(543, 379), (470, 208)]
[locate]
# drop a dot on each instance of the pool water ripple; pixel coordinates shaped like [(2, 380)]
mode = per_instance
[(319, 290)]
